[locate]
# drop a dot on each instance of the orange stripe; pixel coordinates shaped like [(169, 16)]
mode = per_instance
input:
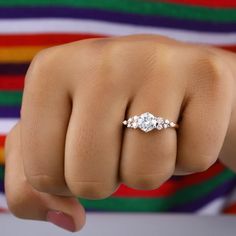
[(2, 160), (18, 54)]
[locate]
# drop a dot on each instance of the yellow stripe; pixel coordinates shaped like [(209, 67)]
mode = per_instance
[(18, 54), (2, 161)]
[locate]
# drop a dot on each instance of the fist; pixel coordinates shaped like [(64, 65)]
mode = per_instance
[(70, 141)]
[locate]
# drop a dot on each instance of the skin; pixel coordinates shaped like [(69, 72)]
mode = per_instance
[(70, 140)]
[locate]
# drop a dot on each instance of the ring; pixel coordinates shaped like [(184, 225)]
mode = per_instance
[(147, 122)]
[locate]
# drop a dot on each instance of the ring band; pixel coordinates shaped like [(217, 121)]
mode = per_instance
[(147, 122)]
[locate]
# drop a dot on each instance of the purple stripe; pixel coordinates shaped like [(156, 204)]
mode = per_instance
[(13, 69), (112, 16), (2, 186), (193, 206), (9, 112)]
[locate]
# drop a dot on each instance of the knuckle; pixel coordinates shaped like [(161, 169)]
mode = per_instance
[(147, 181), (41, 67), (40, 60), (91, 189), (210, 74), (47, 184), (200, 165), (213, 67)]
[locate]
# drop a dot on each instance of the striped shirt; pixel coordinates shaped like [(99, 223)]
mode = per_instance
[(28, 26)]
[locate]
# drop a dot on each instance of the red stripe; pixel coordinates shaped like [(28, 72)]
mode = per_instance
[(171, 186), (231, 209), (55, 39), (3, 210), (43, 39), (11, 82), (206, 3), (2, 140), (231, 48)]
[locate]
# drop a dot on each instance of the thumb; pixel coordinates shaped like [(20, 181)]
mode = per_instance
[(26, 202)]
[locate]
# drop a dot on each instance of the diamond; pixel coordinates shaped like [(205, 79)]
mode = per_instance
[(134, 125), (125, 122), (167, 121), (130, 120), (147, 122), (159, 120), (135, 118)]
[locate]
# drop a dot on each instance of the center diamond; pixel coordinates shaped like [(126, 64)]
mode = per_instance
[(147, 122)]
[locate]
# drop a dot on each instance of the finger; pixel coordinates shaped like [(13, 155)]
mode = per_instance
[(25, 202), (205, 118), (45, 115), (148, 159), (93, 141)]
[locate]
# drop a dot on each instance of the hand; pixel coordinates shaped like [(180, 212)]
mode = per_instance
[(70, 140)]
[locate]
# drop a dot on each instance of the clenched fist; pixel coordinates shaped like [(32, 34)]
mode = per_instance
[(70, 141)]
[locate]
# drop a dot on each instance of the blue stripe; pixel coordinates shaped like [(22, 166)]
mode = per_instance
[(2, 186), (220, 191), (9, 112)]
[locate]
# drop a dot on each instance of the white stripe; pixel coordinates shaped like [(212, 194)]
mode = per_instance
[(213, 208), (3, 201), (6, 125), (59, 25)]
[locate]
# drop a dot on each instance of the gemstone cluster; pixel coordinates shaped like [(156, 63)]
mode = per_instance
[(147, 122)]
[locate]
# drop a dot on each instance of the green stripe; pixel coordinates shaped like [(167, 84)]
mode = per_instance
[(10, 98), (185, 195), (1, 172), (138, 7)]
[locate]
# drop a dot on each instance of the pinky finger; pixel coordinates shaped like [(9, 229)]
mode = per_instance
[(27, 203)]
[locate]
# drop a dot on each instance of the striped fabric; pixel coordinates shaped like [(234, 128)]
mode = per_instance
[(28, 26)]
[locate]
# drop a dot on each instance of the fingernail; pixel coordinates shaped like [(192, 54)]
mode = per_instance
[(62, 220)]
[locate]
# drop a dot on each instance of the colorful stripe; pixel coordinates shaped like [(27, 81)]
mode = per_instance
[(10, 98), (9, 112), (10, 83), (47, 40), (2, 160), (136, 7), (193, 206), (2, 189), (231, 209), (6, 125), (13, 69), (43, 39), (2, 170), (181, 197), (87, 26), (213, 207), (18, 54), (212, 3)]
